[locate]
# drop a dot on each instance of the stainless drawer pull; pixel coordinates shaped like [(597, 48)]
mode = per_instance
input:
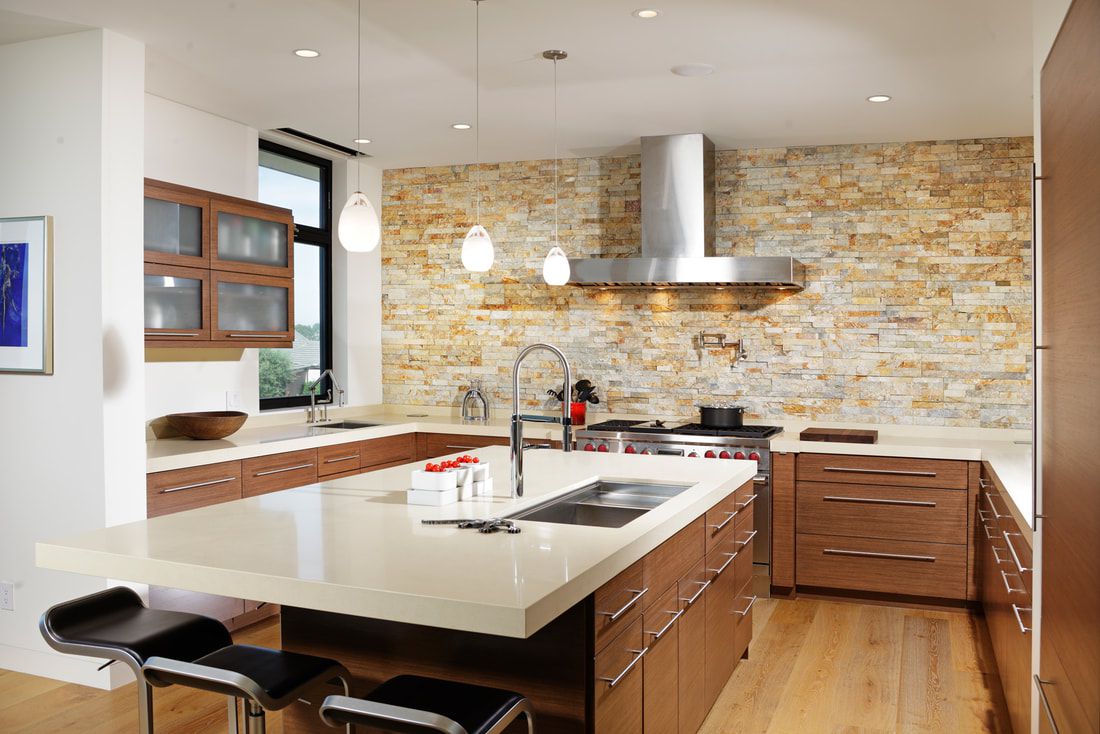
[(988, 535), (982, 484), (280, 471), (1008, 586), (1016, 609), (872, 501), (1012, 552), (992, 507), (724, 523), (464, 448), (633, 600), (155, 334), (997, 556), (702, 587), (871, 554), (893, 472), (718, 571), (747, 540), (746, 503), (981, 515), (1039, 683), (748, 608), (260, 336), (196, 485), (667, 627), (337, 459), (638, 655)]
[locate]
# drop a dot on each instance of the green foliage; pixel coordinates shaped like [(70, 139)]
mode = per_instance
[(275, 373), (309, 331)]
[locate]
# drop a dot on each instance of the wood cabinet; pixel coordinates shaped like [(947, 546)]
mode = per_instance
[(377, 453), (617, 686), (884, 525), (783, 517), (341, 460), (276, 472), (1069, 393), (431, 445), (660, 673), (691, 697), (218, 270), (187, 489)]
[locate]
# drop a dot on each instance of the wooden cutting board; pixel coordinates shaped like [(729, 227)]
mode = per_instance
[(839, 435)]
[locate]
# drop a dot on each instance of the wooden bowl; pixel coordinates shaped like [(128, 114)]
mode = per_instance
[(208, 425)]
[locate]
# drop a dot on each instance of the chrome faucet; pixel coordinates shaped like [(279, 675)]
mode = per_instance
[(475, 406), (516, 442), (313, 404)]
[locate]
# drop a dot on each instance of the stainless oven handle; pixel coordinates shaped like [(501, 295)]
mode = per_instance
[(760, 479)]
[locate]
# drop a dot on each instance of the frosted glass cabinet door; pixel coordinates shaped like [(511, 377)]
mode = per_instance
[(176, 226), (176, 304), (252, 308), (251, 239)]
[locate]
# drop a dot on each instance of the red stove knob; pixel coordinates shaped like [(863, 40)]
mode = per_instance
[(739, 455), (631, 450), (724, 455), (602, 448), (709, 454), (647, 452), (589, 447), (693, 455), (754, 456)]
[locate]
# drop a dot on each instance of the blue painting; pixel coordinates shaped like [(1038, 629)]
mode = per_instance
[(13, 294)]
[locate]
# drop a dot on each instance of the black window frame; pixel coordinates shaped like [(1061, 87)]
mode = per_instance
[(320, 237)]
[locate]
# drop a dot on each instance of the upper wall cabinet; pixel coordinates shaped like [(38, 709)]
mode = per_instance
[(218, 270)]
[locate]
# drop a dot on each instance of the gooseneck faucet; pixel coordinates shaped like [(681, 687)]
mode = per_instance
[(516, 443), (313, 404)]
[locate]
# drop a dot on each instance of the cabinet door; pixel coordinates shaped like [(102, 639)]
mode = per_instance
[(389, 451), (251, 238), (252, 310), (339, 460), (431, 445), (279, 471), (177, 225), (691, 663), (660, 625), (618, 683), (721, 627), (177, 305), (187, 489)]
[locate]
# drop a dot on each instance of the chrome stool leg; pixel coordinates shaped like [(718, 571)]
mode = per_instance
[(233, 715), (145, 705), (255, 721)]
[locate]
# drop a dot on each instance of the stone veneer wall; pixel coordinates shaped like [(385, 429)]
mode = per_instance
[(917, 307)]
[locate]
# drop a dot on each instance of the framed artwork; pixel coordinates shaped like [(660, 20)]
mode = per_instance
[(26, 295)]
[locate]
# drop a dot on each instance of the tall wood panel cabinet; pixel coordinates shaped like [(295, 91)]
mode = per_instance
[(1069, 660)]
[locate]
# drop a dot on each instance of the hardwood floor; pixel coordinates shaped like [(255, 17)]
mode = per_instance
[(814, 667)]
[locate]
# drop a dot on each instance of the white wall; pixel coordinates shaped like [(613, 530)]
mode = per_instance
[(70, 139), (187, 146)]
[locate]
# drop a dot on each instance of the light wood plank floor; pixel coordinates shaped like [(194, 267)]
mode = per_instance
[(815, 667)]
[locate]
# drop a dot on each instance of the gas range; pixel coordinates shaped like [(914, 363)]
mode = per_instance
[(679, 439)]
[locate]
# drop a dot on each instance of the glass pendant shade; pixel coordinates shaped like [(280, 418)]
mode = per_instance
[(555, 268), (359, 229), (477, 250)]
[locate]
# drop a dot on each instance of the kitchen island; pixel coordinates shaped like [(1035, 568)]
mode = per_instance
[(550, 612)]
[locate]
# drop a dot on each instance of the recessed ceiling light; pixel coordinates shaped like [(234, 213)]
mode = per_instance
[(879, 98), (361, 141), (646, 13), (693, 70), (306, 53), (462, 126)]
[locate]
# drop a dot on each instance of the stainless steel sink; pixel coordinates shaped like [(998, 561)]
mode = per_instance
[(607, 504), (347, 425)]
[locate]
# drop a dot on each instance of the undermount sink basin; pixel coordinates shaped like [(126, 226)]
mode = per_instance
[(347, 425), (606, 504)]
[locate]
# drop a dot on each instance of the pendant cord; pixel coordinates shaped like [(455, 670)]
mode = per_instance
[(477, 106), (358, 92), (555, 152)]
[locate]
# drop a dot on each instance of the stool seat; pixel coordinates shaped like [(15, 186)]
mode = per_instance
[(271, 678), (416, 703)]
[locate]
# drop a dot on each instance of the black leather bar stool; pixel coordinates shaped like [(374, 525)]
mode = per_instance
[(115, 624), (412, 704), (265, 679)]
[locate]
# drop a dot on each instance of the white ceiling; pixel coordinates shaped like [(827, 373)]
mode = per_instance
[(788, 71)]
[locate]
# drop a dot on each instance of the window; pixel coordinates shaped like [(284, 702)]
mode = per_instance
[(301, 183)]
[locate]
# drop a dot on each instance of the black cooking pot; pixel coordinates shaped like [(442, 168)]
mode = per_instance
[(722, 416)]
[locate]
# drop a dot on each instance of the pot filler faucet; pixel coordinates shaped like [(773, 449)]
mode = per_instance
[(516, 442)]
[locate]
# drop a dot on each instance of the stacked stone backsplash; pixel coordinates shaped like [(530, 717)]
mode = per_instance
[(917, 306)]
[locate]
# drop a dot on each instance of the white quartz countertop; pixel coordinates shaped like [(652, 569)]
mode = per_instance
[(354, 546)]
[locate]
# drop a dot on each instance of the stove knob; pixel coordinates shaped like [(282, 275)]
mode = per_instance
[(631, 450), (589, 447), (693, 455), (754, 456), (602, 448), (647, 452), (725, 455), (739, 455), (709, 454)]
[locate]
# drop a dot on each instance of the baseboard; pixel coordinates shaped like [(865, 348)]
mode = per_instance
[(67, 668)]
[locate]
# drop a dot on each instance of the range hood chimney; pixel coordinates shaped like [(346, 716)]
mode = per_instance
[(678, 229)]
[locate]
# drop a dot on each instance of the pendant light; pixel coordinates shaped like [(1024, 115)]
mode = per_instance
[(555, 268), (477, 248), (358, 229)]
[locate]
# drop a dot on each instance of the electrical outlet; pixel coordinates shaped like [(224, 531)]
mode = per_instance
[(7, 596), (232, 400)]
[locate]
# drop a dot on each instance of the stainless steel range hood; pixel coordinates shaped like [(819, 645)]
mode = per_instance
[(678, 229)]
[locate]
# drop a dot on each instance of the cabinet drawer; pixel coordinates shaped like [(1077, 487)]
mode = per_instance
[(692, 640), (338, 459), (885, 566), (671, 559), (660, 625), (186, 489), (389, 450), (279, 471), (742, 614), (874, 511), (721, 518), (887, 470), (441, 444), (744, 542), (618, 683), (619, 602)]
